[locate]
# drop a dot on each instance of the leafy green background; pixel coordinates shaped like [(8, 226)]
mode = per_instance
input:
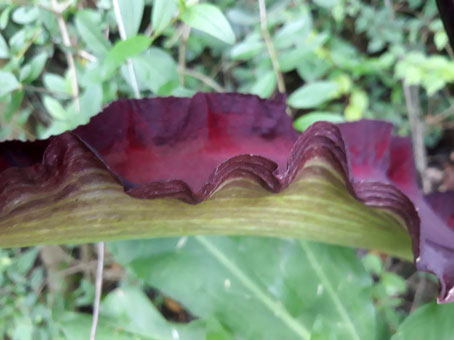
[(341, 60)]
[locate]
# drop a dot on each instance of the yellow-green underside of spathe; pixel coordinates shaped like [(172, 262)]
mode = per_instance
[(317, 206)]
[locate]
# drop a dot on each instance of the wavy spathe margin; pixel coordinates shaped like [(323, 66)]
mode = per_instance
[(212, 148), (376, 155)]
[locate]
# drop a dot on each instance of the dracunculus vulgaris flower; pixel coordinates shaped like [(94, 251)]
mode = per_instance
[(224, 164)]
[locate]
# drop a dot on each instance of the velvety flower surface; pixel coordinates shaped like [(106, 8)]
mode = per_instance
[(239, 158)]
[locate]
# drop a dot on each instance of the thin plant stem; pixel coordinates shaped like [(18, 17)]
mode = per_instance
[(412, 101), (270, 47), (98, 289), (122, 31), (415, 116), (68, 55), (204, 79), (186, 30)]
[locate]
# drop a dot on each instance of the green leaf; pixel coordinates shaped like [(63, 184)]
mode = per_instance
[(5, 16), (292, 58), (134, 310), (393, 284), (8, 83), (87, 24), (25, 14), (24, 262), (326, 3), (441, 40), (303, 122), (131, 14), (127, 313), (4, 49), (56, 83), (249, 48), (56, 127), (121, 51), (312, 67), (293, 32), (313, 94), (163, 12), (13, 104), (36, 66), (265, 85), (254, 287), (359, 101), (431, 321), (154, 69), (91, 101), (209, 19), (373, 264), (76, 326), (54, 108)]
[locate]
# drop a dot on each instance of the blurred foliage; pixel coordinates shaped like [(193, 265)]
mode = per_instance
[(24, 314), (61, 62)]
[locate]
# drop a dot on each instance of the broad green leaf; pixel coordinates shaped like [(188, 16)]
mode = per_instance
[(127, 313), (440, 40), (306, 120), (254, 285), (87, 24), (248, 48), (121, 51), (312, 67), (19, 40), (313, 94), (293, 32), (4, 16), (432, 72), (431, 321), (54, 108), (35, 67), (358, 103), (209, 19), (25, 261), (393, 283), (56, 127), (91, 101), (292, 58), (265, 84), (163, 11), (372, 263), (25, 14), (8, 83), (326, 3), (13, 104), (4, 49), (131, 307), (77, 326), (155, 68), (131, 14), (25, 331), (56, 83)]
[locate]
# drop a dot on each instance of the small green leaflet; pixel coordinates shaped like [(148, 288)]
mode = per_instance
[(209, 19)]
